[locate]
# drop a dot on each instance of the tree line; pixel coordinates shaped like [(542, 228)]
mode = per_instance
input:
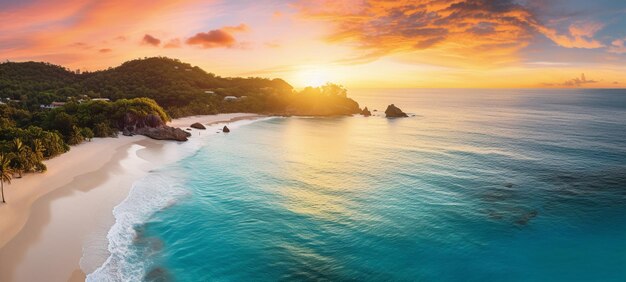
[(180, 88), (27, 139)]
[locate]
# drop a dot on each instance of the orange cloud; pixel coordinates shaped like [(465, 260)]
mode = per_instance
[(218, 37), (44, 29), (460, 29), (105, 50), (455, 32), (80, 45), (574, 82), (212, 39), (580, 35), (173, 43), (618, 46), (239, 28), (150, 40)]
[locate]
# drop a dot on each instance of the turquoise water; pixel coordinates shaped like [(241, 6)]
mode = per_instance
[(505, 185)]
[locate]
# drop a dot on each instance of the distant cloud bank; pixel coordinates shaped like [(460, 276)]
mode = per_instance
[(574, 82)]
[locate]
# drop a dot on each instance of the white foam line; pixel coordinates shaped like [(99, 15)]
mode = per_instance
[(156, 191)]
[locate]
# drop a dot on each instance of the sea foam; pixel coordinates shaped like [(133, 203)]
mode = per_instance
[(158, 190)]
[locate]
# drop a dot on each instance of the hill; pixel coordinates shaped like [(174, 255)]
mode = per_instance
[(180, 88)]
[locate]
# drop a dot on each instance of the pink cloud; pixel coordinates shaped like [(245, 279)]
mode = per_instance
[(173, 43), (581, 35), (618, 46), (239, 28), (212, 39), (150, 40), (217, 38), (45, 28)]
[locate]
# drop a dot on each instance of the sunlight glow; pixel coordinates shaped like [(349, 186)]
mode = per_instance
[(314, 76)]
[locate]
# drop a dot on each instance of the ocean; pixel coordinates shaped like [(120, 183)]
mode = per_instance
[(477, 185)]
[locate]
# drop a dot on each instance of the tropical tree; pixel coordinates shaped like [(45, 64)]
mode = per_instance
[(87, 133), (20, 161), (75, 137), (38, 150), (6, 172), (36, 156)]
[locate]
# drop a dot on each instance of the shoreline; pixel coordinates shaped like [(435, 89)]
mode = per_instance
[(55, 221)]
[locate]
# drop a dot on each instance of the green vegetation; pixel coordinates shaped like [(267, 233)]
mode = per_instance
[(31, 130), (27, 139), (6, 173), (181, 89)]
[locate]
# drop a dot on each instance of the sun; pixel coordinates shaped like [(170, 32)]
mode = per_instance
[(313, 76)]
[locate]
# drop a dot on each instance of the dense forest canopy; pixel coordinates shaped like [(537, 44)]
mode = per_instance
[(180, 88), (29, 138)]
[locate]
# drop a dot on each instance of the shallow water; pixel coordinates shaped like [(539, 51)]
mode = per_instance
[(512, 185)]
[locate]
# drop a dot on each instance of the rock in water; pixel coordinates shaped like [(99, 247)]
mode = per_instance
[(225, 129), (197, 125), (365, 112), (164, 133), (393, 112)]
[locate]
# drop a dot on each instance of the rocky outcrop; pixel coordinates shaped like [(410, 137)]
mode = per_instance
[(132, 120), (365, 112), (225, 129), (164, 133), (197, 125), (394, 112), (127, 132)]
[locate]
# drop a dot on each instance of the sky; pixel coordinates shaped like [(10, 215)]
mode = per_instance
[(356, 43)]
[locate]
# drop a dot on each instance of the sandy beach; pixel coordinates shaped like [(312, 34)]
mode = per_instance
[(54, 224)]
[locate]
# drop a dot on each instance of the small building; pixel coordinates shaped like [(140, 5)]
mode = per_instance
[(53, 105), (57, 104), (101, 99), (209, 92), (230, 98)]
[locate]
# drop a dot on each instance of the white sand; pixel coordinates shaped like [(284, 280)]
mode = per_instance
[(52, 219)]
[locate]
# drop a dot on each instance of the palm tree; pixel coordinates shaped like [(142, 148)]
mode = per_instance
[(37, 156), (38, 150), (20, 159), (5, 172)]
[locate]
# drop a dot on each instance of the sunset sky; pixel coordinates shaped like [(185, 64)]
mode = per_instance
[(420, 43)]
